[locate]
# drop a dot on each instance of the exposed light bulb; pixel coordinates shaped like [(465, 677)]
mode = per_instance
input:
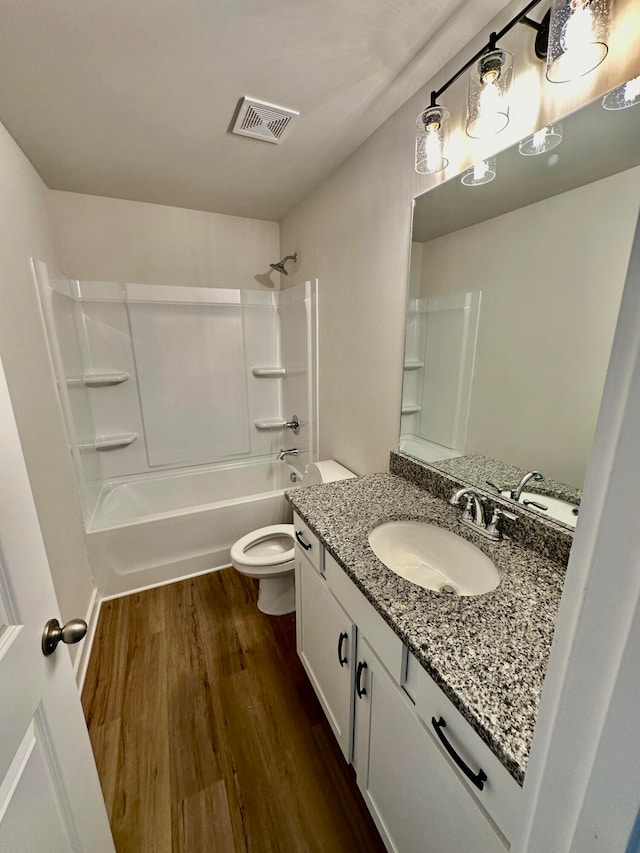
[(577, 39), (627, 95), (489, 83), (433, 144), (431, 133), (480, 173), (492, 117), (542, 140)]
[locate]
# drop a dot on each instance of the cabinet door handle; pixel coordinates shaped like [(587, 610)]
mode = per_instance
[(343, 636), (479, 778), (306, 546), (361, 691)]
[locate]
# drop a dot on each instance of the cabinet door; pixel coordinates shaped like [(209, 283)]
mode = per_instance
[(416, 800), (326, 645)]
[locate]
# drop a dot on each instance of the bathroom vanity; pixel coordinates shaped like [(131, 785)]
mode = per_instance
[(432, 697)]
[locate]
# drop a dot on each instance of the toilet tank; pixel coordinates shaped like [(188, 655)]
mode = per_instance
[(325, 472)]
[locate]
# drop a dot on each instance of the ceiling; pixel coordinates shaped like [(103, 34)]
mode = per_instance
[(135, 100)]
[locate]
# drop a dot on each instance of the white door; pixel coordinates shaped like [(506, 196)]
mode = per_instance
[(50, 796)]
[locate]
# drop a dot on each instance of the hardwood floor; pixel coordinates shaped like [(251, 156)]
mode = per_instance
[(206, 731)]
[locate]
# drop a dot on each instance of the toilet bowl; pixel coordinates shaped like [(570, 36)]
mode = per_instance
[(268, 553)]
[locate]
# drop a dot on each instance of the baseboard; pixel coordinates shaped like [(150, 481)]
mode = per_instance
[(81, 663), (166, 582)]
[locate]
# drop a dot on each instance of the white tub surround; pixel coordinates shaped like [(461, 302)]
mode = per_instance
[(176, 401)]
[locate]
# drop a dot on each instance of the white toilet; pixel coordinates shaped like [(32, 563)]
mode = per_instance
[(267, 553)]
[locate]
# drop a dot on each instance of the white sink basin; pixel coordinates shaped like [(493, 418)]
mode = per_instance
[(554, 507), (433, 558)]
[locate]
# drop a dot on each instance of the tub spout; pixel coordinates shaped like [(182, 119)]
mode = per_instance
[(291, 452)]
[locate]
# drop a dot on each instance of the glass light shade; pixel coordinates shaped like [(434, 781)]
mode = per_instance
[(488, 102), (578, 38), (542, 140), (627, 95), (432, 129), (481, 173)]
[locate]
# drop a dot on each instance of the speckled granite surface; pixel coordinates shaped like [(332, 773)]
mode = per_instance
[(533, 530), (489, 652), (478, 469)]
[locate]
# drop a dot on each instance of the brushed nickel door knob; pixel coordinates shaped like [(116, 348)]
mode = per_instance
[(71, 632)]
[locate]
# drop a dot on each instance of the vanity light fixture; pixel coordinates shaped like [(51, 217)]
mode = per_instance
[(627, 95), (481, 173), (488, 101), (573, 39), (432, 127), (543, 140), (578, 38)]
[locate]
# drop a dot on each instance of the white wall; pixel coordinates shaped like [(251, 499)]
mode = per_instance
[(108, 239), (551, 288), (352, 234), (25, 234)]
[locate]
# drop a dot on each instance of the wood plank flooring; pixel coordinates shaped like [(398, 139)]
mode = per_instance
[(206, 731)]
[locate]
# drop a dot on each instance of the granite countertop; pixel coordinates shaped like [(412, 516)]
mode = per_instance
[(489, 652)]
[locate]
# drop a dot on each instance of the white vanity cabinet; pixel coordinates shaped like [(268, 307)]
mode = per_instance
[(417, 801), (325, 639), (381, 705)]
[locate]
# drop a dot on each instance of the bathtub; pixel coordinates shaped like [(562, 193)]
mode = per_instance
[(162, 527)]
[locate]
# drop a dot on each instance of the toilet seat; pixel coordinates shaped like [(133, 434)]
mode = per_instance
[(273, 554)]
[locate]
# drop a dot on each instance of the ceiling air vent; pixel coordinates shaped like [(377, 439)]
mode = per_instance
[(263, 121)]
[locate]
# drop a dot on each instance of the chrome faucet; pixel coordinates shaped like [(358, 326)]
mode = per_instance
[(473, 515), (291, 452), (530, 475)]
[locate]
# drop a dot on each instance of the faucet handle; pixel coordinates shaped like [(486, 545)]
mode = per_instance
[(493, 528), (498, 489), (293, 424)]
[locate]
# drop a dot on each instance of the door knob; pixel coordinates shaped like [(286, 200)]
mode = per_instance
[(70, 632)]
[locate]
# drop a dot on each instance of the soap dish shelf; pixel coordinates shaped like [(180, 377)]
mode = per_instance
[(110, 442), (410, 409), (268, 372), (99, 379), (269, 424)]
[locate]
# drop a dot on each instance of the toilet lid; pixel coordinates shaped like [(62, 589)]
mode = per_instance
[(267, 546)]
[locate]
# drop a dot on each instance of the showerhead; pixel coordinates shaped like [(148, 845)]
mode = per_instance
[(279, 267)]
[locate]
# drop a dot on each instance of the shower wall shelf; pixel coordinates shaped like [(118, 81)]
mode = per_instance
[(111, 442), (413, 365), (98, 379), (410, 410), (268, 372), (269, 424)]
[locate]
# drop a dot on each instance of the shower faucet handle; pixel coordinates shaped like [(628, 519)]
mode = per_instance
[(293, 424)]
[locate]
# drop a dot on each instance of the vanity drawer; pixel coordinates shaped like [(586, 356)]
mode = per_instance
[(501, 794), (384, 642), (308, 542)]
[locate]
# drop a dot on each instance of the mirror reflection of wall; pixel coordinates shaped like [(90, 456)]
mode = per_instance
[(551, 272)]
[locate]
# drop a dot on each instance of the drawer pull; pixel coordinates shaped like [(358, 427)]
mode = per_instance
[(343, 636), (301, 541), (361, 691), (478, 778)]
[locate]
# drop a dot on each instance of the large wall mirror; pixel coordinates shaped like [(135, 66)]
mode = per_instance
[(514, 293)]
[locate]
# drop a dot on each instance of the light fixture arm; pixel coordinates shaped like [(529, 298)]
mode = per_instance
[(521, 18)]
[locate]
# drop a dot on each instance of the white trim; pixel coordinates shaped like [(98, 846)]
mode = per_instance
[(81, 662), (582, 791), (164, 583)]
